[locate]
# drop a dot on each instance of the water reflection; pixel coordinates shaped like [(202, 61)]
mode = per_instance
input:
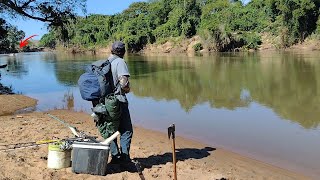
[(68, 99), (16, 67), (197, 82), (287, 83), (68, 67)]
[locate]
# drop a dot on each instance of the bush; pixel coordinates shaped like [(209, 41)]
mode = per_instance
[(197, 47), (318, 26), (48, 40), (252, 40)]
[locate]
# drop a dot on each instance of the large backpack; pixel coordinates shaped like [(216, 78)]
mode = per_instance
[(97, 81)]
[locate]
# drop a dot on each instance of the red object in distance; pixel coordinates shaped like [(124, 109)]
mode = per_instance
[(25, 42)]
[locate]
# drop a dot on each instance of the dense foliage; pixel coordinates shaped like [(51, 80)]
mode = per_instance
[(9, 36), (223, 25), (56, 13)]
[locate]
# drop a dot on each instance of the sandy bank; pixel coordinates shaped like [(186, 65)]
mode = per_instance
[(151, 149), (12, 103)]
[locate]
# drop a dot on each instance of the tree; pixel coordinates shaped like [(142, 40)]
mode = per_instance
[(14, 36), (48, 40), (298, 18), (183, 20), (3, 28), (318, 26), (224, 25), (135, 9), (55, 12), (9, 36), (137, 33)]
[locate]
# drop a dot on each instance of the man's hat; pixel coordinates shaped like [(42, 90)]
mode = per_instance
[(118, 46)]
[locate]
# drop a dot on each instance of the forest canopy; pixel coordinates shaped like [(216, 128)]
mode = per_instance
[(56, 13), (223, 24)]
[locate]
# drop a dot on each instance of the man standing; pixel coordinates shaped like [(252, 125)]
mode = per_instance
[(121, 76)]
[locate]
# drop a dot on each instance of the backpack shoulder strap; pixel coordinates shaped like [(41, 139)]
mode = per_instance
[(114, 87), (99, 63)]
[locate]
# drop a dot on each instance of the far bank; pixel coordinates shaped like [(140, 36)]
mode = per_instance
[(194, 46)]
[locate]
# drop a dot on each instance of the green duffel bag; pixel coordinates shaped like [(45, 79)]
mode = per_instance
[(106, 128), (113, 107), (108, 115)]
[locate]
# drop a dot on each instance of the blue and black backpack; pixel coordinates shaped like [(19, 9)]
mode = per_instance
[(97, 81)]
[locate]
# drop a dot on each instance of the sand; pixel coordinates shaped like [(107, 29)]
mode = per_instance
[(152, 149), (12, 103)]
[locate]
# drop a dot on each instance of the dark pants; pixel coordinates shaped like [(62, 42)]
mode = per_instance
[(126, 132)]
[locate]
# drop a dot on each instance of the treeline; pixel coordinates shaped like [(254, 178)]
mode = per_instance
[(9, 37), (223, 25)]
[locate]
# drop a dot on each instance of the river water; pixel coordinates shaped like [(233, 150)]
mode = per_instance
[(262, 105)]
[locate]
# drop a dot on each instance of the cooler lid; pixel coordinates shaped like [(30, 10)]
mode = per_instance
[(87, 145)]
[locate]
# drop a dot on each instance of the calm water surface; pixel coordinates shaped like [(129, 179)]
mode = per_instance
[(262, 105)]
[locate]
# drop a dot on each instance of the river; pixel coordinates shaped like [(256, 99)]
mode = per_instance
[(262, 105)]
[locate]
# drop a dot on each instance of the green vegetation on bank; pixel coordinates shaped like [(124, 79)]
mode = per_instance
[(9, 37), (54, 13), (223, 25)]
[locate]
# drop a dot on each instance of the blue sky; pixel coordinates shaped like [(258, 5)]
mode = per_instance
[(31, 27)]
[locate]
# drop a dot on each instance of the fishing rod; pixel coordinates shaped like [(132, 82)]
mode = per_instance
[(79, 135), (9, 147), (73, 129), (65, 144)]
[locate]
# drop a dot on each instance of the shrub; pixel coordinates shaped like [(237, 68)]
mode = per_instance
[(197, 47), (252, 40)]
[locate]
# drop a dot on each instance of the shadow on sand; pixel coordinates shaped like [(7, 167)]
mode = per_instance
[(161, 159), (182, 155)]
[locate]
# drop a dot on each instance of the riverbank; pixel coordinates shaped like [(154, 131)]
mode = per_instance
[(12, 103), (197, 46), (151, 149), (5, 89), (11, 53)]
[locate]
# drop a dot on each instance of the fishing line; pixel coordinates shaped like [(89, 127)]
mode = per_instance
[(68, 125), (50, 115), (79, 134)]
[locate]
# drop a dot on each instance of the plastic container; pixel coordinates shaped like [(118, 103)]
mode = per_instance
[(90, 158), (57, 158)]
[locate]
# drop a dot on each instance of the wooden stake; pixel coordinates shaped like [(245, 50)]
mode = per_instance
[(171, 133)]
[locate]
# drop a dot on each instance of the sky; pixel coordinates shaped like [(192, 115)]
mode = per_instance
[(108, 7)]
